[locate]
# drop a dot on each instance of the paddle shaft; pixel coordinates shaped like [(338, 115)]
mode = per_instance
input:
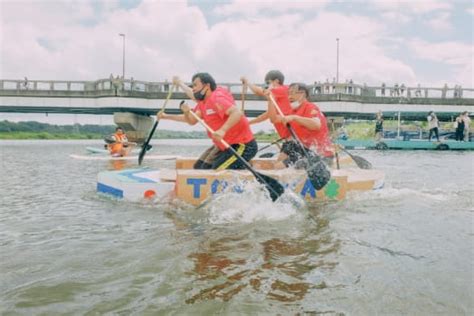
[(155, 125), (271, 144), (236, 154), (244, 90), (292, 131), (336, 154)]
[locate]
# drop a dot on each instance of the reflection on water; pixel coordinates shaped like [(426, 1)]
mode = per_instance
[(119, 164), (277, 267)]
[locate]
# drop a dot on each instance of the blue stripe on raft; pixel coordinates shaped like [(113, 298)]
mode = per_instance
[(109, 190), (133, 174)]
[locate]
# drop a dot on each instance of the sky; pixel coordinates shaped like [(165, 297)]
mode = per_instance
[(414, 41)]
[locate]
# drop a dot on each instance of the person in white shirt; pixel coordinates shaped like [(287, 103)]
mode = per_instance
[(433, 125), (467, 123)]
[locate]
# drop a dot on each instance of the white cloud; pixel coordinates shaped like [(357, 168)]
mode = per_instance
[(412, 7), (440, 22), (251, 7), (53, 40), (452, 53), (396, 16), (457, 55)]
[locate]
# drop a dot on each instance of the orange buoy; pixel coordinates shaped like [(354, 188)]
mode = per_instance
[(149, 194)]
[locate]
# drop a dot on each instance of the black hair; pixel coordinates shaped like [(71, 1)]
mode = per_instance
[(301, 87), (118, 127), (205, 79), (273, 75)]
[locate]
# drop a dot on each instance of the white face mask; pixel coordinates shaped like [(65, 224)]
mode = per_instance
[(295, 105)]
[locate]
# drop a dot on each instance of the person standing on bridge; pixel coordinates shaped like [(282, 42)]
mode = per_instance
[(216, 107), (433, 124)]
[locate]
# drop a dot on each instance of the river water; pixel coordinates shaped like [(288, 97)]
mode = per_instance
[(405, 249)]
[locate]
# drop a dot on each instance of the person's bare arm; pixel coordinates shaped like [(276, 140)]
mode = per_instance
[(186, 117), (234, 117), (187, 90), (312, 123), (255, 89), (262, 117)]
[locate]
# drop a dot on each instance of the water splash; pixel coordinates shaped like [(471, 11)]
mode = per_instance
[(252, 204)]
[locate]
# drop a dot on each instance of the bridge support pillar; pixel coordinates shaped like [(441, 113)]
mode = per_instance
[(137, 127)]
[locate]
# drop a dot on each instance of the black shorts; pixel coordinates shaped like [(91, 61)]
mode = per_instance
[(207, 158), (227, 160)]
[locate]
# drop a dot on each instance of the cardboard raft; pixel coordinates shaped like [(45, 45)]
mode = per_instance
[(194, 186)]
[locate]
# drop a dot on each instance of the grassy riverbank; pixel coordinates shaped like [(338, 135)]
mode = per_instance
[(159, 135), (366, 130), (34, 130), (46, 135)]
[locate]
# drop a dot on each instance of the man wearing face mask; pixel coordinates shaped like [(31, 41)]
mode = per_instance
[(216, 106), (274, 80), (309, 124)]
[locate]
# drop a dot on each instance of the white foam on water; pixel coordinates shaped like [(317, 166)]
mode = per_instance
[(391, 193), (253, 204)]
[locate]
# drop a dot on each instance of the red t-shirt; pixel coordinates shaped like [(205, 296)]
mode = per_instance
[(280, 95), (213, 113), (318, 138)]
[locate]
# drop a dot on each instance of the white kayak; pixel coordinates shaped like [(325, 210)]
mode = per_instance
[(134, 157), (96, 150)]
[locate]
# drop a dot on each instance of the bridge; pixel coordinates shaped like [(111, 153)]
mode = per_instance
[(132, 101)]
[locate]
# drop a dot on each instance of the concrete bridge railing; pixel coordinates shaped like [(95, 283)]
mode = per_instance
[(319, 91)]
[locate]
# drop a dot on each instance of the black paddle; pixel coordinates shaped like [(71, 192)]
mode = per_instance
[(318, 173), (271, 144), (273, 186), (361, 162), (145, 145)]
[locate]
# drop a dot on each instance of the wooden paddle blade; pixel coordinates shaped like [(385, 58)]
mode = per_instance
[(361, 162), (318, 173), (273, 186)]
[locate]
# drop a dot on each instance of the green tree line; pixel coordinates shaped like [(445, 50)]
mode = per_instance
[(37, 130)]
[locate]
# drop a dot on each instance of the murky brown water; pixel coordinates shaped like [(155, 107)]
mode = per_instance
[(406, 249)]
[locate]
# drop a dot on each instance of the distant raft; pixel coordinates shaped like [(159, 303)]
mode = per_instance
[(414, 144), (195, 186), (95, 150), (134, 157)]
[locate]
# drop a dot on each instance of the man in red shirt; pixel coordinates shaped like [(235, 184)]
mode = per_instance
[(216, 106), (274, 80), (309, 124)]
